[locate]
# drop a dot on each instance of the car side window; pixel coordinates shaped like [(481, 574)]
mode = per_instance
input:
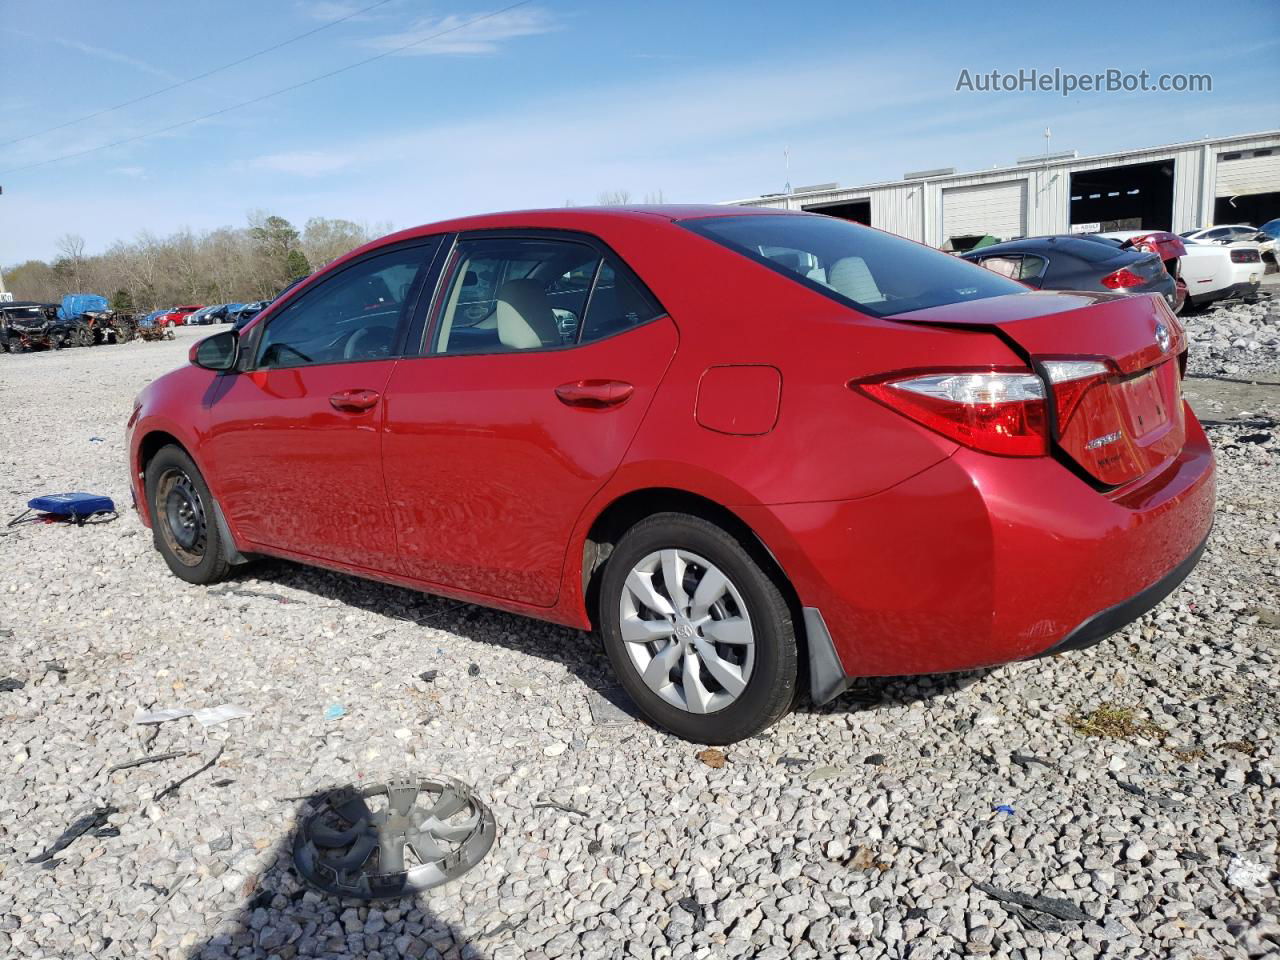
[(1009, 266), (618, 303), (1218, 234), (1033, 267), (502, 294), (347, 318)]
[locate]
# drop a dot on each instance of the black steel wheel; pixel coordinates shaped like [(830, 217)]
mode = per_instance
[(183, 518)]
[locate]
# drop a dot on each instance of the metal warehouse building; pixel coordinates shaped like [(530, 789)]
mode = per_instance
[(1177, 187)]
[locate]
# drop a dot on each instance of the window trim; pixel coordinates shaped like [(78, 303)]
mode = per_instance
[(420, 347), (250, 351)]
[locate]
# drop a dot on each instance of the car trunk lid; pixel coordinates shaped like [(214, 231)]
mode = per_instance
[(1110, 363)]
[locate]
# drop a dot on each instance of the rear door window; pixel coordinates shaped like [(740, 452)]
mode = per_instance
[(878, 273), (618, 303)]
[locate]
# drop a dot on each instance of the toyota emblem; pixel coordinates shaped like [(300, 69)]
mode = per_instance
[(1163, 337)]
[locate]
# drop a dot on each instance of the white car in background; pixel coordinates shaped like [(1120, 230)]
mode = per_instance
[(1206, 271), (1213, 272), (1233, 233)]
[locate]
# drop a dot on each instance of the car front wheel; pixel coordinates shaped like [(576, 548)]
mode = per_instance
[(699, 634), (183, 520)]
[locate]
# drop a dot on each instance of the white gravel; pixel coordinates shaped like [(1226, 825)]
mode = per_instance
[(866, 828)]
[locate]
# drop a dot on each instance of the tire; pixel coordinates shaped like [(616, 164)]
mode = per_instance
[(749, 606), (182, 518)]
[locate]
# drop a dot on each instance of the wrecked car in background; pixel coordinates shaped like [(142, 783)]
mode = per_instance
[(94, 321), (27, 325)]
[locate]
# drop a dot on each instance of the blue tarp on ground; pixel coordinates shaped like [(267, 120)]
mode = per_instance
[(77, 304)]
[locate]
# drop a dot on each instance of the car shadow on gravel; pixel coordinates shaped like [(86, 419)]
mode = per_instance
[(283, 916), (577, 651)]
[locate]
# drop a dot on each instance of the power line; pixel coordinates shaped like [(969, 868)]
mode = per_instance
[(273, 93), (199, 76)]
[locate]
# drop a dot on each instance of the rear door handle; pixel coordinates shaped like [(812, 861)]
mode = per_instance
[(595, 394), (354, 401)]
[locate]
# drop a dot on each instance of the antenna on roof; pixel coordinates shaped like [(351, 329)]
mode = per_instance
[(786, 163)]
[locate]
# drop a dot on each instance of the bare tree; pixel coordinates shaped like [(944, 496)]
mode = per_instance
[(71, 246), (614, 198)]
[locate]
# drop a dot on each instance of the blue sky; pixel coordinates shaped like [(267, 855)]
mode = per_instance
[(555, 101)]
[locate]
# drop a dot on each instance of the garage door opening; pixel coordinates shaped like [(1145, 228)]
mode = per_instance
[(1255, 209), (1138, 196), (859, 211)]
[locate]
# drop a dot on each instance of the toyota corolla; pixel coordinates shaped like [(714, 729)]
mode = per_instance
[(755, 450)]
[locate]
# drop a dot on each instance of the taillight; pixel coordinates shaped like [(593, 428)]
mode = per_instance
[(1122, 278), (1069, 381), (992, 411), (1245, 256)]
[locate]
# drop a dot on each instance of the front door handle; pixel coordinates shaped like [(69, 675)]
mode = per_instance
[(595, 394), (354, 401)]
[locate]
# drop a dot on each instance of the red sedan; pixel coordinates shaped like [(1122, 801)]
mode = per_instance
[(747, 447), (177, 317)]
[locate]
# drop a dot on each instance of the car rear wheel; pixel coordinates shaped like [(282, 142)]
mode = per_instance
[(700, 636), (183, 518)]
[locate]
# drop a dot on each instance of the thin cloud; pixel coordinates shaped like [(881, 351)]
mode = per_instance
[(112, 55), (482, 37), (304, 163), (332, 10)]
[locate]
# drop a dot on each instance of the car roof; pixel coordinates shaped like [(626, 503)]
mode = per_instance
[(586, 219)]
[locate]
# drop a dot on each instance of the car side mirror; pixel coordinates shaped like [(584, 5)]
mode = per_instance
[(218, 353)]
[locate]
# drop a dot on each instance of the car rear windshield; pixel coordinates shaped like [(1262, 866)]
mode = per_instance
[(876, 272)]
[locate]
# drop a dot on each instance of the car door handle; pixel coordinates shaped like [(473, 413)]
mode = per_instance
[(595, 394), (354, 401)]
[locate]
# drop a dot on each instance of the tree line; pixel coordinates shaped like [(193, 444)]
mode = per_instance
[(226, 265)]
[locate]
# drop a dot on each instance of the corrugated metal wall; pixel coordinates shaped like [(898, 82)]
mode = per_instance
[(913, 208)]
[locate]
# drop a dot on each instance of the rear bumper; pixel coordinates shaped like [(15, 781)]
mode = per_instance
[(982, 560), (1114, 619)]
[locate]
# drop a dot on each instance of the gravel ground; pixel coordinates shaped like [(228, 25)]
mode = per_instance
[(1235, 338), (1135, 783)]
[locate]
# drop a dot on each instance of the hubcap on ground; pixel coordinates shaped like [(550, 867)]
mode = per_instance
[(182, 516), (687, 630)]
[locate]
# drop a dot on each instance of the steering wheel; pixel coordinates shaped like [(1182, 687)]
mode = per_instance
[(368, 343)]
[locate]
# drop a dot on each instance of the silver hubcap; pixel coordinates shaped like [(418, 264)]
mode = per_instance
[(687, 631)]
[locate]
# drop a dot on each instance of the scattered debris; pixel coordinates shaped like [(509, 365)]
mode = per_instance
[(174, 787), (791, 761), (605, 709), (712, 757), (473, 670), (160, 716), (335, 711), (95, 440), (153, 758), (205, 716), (212, 716), (1025, 760), (81, 825), (1004, 808), (563, 807), (1254, 438), (1128, 786), (257, 594), (1025, 907), (1247, 875), (426, 676), (594, 847), (1247, 747), (875, 760), (9, 684), (864, 858), (1118, 723)]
